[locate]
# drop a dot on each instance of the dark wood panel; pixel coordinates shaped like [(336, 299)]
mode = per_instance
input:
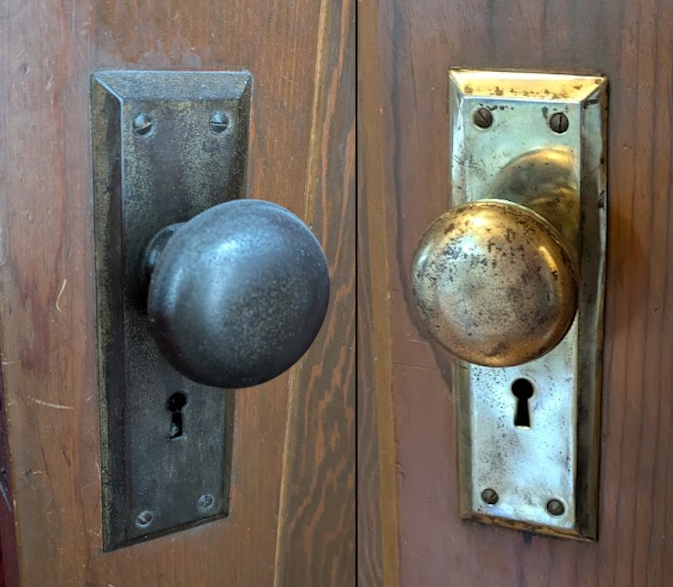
[(316, 544), (631, 43), (369, 523), (378, 549), (49, 48)]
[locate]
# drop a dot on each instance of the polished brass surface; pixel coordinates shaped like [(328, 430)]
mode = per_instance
[(527, 458), (544, 180), (494, 283)]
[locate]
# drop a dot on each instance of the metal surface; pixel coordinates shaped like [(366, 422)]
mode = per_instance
[(494, 283), (537, 451), (159, 455), (238, 294)]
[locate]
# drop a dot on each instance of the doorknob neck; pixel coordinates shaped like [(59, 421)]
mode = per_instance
[(156, 246)]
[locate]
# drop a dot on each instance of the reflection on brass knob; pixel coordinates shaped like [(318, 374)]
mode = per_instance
[(495, 283), (237, 294)]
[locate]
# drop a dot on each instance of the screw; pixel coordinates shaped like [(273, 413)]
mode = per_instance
[(143, 123), (483, 118), (559, 122), (206, 501), (144, 519), (489, 496), (219, 122), (555, 507)]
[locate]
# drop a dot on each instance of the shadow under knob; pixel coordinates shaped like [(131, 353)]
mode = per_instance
[(237, 294), (495, 283)]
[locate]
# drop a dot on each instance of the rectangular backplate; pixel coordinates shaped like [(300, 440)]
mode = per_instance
[(156, 162), (545, 476)]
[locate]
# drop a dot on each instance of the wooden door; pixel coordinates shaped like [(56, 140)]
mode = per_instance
[(410, 533), (292, 520)]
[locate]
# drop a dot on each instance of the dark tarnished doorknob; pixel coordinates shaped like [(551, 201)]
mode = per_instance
[(237, 294)]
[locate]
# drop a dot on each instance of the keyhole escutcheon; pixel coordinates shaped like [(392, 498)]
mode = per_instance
[(523, 390), (175, 405)]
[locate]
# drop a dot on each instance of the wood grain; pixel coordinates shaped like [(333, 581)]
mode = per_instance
[(378, 551), (316, 537), (631, 43), (48, 49)]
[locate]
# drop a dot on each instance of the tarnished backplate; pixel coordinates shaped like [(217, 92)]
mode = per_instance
[(146, 178), (544, 477)]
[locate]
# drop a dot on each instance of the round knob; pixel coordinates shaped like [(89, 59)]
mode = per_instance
[(495, 283), (237, 294)]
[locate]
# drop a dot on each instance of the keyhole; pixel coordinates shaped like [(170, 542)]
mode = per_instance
[(523, 390), (175, 405)]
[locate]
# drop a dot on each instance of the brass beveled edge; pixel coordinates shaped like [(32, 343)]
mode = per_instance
[(526, 86), (554, 531), (591, 309)]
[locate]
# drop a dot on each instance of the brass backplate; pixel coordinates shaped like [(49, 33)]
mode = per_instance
[(542, 477)]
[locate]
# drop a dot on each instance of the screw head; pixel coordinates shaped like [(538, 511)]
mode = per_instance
[(144, 519), (555, 507), (143, 123), (483, 118), (206, 501), (489, 496), (219, 122), (559, 122)]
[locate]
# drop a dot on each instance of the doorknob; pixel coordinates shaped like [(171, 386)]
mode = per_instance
[(237, 294), (495, 283)]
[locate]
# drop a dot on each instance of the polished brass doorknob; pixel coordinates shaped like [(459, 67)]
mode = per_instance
[(495, 283), (237, 294)]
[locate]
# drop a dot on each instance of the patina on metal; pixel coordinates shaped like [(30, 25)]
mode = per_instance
[(238, 293), (513, 277), (151, 172), (494, 283)]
